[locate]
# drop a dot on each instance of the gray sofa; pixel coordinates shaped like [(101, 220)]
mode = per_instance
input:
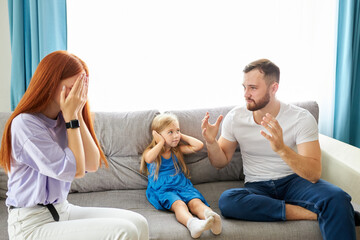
[(125, 135)]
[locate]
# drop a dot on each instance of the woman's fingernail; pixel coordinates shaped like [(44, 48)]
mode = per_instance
[(63, 87)]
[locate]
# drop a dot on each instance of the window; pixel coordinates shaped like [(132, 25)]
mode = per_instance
[(185, 54)]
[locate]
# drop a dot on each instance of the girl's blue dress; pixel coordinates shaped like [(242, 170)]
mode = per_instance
[(169, 186)]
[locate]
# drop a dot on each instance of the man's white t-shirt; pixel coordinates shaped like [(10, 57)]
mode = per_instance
[(260, 162)]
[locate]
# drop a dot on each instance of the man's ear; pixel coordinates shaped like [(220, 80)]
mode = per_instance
[(274, 87)]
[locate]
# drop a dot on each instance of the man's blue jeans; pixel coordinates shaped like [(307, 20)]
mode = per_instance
[(265, 201)]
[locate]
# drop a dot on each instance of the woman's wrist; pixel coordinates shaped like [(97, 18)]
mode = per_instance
[(69, 117), (80, 117)]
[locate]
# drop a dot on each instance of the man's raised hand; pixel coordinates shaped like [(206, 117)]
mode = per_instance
[(210, 131)]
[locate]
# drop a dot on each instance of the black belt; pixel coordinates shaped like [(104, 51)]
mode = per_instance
[(51, 209)]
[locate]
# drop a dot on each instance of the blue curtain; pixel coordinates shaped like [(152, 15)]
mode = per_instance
[(347, 86), (37, 28)]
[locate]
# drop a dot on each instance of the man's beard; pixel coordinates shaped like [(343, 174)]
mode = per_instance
[(254, 106)]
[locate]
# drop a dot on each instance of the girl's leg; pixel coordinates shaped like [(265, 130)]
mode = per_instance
[(198, 208), (195, 225), (181, 211)]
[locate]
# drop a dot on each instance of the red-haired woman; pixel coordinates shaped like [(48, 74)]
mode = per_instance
[(48, 141)]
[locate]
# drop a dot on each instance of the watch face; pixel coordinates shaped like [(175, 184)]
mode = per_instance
[(73, 124)]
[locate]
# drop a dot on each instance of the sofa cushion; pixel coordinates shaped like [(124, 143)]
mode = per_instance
[(163, 224), (124, 134), (123, 173)]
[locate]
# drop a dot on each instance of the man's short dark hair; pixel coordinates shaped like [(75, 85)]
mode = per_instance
[(269, 69)]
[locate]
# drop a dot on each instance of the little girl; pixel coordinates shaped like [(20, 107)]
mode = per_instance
[(168, 184)]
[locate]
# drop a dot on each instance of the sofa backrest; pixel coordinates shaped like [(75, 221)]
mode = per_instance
[(124, 136)]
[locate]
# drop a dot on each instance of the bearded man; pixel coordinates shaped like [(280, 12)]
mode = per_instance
[(281, 160)]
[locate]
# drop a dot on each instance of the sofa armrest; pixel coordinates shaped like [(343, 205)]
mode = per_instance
[(341, 165)]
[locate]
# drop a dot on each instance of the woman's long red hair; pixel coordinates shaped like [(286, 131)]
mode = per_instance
[(51, 70)]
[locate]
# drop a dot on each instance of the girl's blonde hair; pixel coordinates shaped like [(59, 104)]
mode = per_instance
[(159, 123)]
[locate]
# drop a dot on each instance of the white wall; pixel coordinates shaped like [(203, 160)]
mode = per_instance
[(5, 57)]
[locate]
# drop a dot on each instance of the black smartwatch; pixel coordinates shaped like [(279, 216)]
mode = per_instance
[(73, 124)]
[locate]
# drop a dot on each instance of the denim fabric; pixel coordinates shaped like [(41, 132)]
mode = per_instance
[(265, 201)]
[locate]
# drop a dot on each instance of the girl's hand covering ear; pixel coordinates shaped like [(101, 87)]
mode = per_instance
[(158, 138)]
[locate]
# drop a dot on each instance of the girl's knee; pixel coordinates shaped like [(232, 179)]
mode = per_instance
[(195, 203), (178, 204)]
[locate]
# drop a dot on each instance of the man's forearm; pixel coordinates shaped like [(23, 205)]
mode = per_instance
[(306, 167), (216, 156)]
